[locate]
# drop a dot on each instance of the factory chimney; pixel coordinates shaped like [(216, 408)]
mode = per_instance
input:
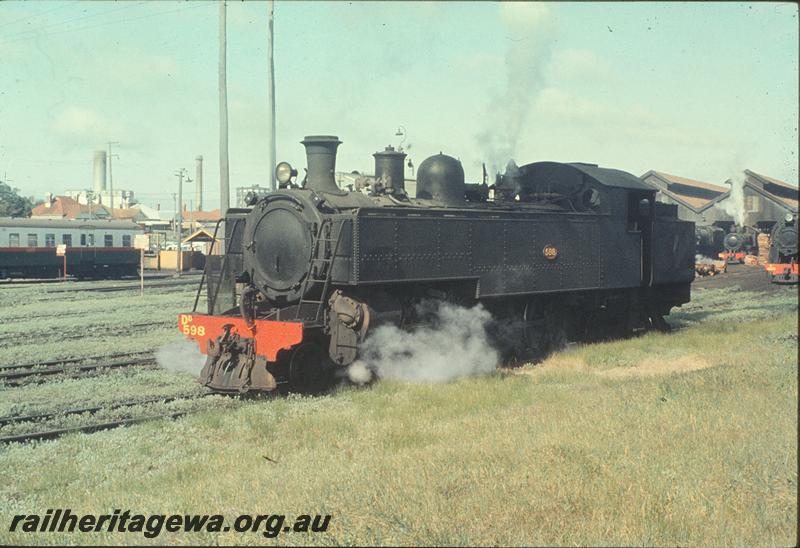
[(198, 179), (99, 179)]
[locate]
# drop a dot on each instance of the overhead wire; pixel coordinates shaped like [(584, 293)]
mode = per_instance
[(62, 5), (56, 24), (107, 23)]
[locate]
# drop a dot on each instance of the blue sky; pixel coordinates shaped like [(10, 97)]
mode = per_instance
[(702, 90)]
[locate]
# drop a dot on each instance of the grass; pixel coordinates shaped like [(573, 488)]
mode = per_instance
[(681, 438)]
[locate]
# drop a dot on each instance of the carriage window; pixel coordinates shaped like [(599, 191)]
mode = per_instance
[(126, 240), (109, 240), (90, 238), (66, 239), (13, 240), (33, 240), (49, 240), (83, 239)]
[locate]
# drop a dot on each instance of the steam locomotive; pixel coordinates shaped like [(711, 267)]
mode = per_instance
[(555, 251), (740, 241), (709, 240), (782, 266)]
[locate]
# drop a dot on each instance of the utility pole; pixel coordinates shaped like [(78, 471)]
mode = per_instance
[(198, 178), (271, 154), (180, 175), (224, 182), (110, 176)]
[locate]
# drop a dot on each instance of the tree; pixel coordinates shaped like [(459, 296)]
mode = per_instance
[(12, 204)]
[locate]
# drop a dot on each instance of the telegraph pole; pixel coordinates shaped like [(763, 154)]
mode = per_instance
[(271, 154), (180, 174), (110, 176), (224, 182)]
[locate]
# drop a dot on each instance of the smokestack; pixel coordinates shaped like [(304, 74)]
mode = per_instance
[(321, 162), (198, 179), (99, 179), (389, 166), (48, 199)]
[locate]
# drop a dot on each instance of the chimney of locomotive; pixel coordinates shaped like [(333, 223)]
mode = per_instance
[(321, 162), (390, 166)]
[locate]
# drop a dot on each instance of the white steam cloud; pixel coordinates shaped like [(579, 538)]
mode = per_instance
[(452, 344), (734, 205), (528, 32), (181, 356)]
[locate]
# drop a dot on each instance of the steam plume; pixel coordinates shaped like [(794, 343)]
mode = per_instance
[(452, 344), (528, 32), (181, 355), (734, 205)]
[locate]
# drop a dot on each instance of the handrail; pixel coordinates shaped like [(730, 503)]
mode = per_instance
[(205, 267)]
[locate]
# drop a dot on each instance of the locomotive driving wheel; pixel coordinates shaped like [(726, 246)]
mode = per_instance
[(310, 369)]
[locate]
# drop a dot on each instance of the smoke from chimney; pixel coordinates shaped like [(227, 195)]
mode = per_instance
[(734, 204), (528, 29)]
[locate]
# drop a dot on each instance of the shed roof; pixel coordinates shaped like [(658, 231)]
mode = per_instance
[(676, 179), (771, 180)]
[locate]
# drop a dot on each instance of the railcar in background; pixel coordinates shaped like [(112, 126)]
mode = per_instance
[(94, 248)]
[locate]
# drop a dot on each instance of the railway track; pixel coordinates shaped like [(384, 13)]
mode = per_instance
[(15, 375), (106, 330), (127, 287), (93, 427)]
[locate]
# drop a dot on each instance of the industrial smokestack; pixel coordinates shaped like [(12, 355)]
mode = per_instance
[(198, 179), (99, 179), (321, 162), (390, 169)]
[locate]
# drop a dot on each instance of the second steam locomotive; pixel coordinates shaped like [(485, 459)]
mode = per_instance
[(554, 251)]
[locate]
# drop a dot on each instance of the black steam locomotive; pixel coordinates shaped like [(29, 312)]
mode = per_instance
[(739, 242), (708, 240), (782, 266), (554, 251)]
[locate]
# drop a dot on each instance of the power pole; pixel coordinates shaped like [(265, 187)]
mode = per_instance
[(224, 182), (180, 174), (110, 176), (271, 154), (198, 178)]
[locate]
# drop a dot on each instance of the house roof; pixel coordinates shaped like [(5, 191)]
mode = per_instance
[(199, 236), (125, 213), (201, 216), (68, 208)]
